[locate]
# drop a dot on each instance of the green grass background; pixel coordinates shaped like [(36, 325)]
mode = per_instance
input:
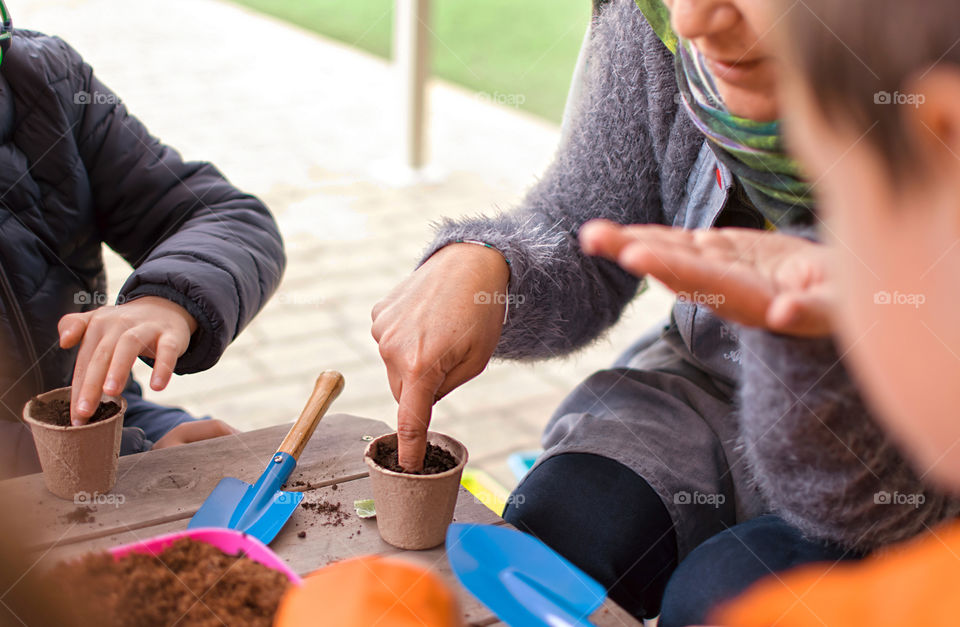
[(507, 47)]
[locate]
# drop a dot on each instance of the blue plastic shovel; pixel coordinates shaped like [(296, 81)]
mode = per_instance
[(261, 510), (519, 578)]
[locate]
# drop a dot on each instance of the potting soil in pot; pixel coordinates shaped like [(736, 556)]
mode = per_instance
[(57, 412), (189, 583), (437, 460)]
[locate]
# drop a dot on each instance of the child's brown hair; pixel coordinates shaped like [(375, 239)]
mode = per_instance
[(860, 59)]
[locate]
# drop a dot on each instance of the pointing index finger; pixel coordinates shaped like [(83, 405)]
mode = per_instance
[(413, 420)]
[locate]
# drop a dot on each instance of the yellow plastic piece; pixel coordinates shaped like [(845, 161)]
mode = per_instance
[(485, 489)]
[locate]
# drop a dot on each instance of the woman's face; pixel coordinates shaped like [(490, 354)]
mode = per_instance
[(732, 36)]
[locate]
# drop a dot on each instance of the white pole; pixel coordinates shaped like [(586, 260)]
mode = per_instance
[(411, 53)]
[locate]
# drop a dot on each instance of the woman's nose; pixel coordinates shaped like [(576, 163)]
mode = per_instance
[(692, 19)]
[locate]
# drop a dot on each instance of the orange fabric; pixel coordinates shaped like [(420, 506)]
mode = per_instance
[(368, 591), (914, 583)]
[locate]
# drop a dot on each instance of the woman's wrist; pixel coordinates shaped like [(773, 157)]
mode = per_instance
[(485, 258)]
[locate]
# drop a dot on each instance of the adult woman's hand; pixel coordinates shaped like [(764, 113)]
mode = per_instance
[(756, 278), (437, 330)]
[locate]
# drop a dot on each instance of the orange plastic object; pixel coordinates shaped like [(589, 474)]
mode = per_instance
[(913, 583), (370, 590)]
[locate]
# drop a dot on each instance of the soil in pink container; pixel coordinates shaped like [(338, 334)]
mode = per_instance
[(161, 587)]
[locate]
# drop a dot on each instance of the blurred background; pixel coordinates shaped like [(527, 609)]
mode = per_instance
[(304, 103)]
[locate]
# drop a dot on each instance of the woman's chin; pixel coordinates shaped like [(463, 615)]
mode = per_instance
[(757, 105)]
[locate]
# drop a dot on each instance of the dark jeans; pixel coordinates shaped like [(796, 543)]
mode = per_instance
[(607, 520), (604, 518), (730, 562)]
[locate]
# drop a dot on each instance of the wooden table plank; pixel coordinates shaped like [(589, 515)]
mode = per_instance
[(612, 615), (324, 542), (609, 615), (161, 494), (170, 484)]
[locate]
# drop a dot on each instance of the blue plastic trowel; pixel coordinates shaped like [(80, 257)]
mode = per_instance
[(261, 509), (519, 578)]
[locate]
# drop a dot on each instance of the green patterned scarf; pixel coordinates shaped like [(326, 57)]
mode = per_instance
[(752, 150)]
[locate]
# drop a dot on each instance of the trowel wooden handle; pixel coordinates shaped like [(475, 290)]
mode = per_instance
[(328, 387)]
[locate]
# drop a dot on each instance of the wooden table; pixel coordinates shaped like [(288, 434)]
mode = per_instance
[(157, 492)]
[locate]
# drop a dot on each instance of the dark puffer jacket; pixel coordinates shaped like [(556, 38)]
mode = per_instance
[(77, 170)]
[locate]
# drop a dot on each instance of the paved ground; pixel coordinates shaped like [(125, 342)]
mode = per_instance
[(307, 125)]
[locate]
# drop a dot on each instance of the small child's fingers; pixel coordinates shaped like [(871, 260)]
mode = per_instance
[(603, 238), (168, 351), (679, 267), (91, 380), (71, 329), (801, 314), (639, 249), (215, 429), (88, 345), (228, 428), (125, 353), (675, 236), (641, 258), (188, 432)]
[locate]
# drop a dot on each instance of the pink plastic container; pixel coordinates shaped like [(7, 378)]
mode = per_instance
[(227, 540)]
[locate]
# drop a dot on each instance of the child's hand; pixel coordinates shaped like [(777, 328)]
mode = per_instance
[(757, 278), (194, 432), (111, 339)]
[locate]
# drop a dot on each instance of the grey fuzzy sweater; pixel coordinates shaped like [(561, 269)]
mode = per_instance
[(628, 155), (817, 455)]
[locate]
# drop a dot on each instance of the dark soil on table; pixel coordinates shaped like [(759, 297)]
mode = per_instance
[(148, 591), (306, 485), (57, 412), (437, 460), (330, 514), (82, 514)]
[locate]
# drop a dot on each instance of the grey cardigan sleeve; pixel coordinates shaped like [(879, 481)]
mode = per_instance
[(816, 453), (605, 168)]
